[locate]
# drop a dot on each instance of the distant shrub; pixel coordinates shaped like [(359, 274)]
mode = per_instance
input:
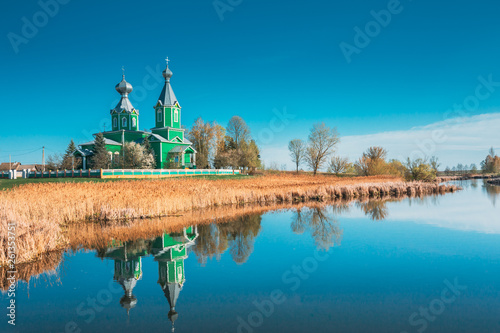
[(419, 169)]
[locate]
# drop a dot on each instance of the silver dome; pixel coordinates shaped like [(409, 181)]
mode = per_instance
[(167, 73), (124, 88)]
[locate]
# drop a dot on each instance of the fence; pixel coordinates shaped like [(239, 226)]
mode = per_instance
[(161, 173), (121, 173)]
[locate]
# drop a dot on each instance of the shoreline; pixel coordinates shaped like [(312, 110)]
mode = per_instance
[(494, 181), (54, 207), (465, 177), (92, 236)]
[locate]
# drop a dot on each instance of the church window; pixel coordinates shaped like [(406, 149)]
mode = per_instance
[(158, 115), (134, 122), (176, 115), (115, 122), (124, 122), (179, 273)]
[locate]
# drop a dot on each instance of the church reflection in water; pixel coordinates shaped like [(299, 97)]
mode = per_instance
[(237, 238), (169, 251)]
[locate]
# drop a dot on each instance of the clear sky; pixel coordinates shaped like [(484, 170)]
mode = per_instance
[(392, 86)]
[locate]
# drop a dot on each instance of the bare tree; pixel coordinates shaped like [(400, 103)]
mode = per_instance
[(434, 162), (297, 150), (238, 130), (376, 153), (339, 164), (322, 141)]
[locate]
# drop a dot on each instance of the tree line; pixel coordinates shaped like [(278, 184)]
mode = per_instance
[(491, 164), (218, 147), (318, 152)]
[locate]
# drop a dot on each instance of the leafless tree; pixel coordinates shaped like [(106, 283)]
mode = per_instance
[(339, 164), (322, 141), (238, 130), (297, 150)]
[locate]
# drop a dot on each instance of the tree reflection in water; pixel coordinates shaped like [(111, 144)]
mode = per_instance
[(493, 191), (238, 236), (320, 223), (375, 209)]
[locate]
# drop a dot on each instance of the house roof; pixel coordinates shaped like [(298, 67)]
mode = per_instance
[(7, 166), (31, 167)]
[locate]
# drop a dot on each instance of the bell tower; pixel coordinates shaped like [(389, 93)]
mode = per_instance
[(167, 109)]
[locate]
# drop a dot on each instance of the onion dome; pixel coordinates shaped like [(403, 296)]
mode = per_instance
[(167, 96), (167, 74), (124, 88)]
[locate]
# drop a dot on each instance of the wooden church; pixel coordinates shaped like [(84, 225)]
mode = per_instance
[(167, 139)]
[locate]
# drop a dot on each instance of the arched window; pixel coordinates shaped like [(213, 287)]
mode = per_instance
[(176, 115), (124, 122), (158, 115), (115, 122), (134, 122)]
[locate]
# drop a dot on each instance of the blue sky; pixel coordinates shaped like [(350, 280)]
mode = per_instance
[(256, 59)]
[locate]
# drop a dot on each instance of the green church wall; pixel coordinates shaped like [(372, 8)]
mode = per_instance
[(172, 134)]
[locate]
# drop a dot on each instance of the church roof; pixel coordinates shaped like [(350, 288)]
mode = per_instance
[(172, 291), (84, 152), (178, 149), (124, 105), (124, 88), (106, 141), (159, 137), (167, 96)]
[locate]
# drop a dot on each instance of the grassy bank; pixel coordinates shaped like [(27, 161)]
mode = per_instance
[(7, 184), (42, 210)]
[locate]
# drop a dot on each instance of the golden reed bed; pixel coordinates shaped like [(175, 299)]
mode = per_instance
[(42, 210)]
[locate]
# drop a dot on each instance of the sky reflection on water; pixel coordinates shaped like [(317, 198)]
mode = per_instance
[(377, 266)]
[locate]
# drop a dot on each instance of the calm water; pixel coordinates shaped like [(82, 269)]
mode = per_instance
[(430, 265)]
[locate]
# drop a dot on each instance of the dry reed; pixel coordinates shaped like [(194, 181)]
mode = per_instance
[(41, 209)]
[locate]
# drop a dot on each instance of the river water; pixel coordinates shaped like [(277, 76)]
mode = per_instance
[(415, 265)]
